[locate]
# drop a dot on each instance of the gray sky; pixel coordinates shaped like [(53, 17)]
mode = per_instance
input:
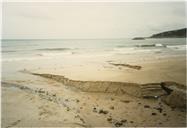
[(90, 20)]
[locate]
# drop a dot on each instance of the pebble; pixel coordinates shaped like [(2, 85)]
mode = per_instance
[(103, 111), (164, 114), (146, 106), (77, 100), (131, 121), (109, 119), (94, 109), (153, 114), (123, 121), (118, 124)]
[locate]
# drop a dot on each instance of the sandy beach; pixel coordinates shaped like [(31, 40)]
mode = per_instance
[(93, 64), (78, 96)]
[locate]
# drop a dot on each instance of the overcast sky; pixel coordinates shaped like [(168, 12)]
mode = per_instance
[(90, 20)]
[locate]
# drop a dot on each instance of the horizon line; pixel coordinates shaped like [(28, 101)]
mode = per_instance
[(63, 38)]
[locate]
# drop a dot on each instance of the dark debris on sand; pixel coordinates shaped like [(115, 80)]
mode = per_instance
[(125, 101), (146, 106), (120, 123), (153, 114), (101, 111)]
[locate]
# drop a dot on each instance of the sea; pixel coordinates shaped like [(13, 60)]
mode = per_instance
[(33, 49)]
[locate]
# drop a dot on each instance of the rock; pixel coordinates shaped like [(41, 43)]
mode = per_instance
[(109, 119), (153, 114), (123, 121), (118, 124), (146, 106), (94, 109), (131, 121), (164, 114), (103, 112)]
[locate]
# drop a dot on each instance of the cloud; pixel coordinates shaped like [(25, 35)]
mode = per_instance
[(90, 20)]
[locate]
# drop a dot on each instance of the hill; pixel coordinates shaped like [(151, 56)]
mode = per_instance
[(180, 33)]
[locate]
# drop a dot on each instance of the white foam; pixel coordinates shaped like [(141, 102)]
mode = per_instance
[(24, 59), (177, 47), (159, 45), (133, 50)]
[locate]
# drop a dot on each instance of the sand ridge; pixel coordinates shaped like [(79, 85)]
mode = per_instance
[(171, 93)]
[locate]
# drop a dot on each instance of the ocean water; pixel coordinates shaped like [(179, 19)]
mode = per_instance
[(18, 50)]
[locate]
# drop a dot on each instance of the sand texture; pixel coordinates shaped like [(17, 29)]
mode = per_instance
[(91, 92)]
